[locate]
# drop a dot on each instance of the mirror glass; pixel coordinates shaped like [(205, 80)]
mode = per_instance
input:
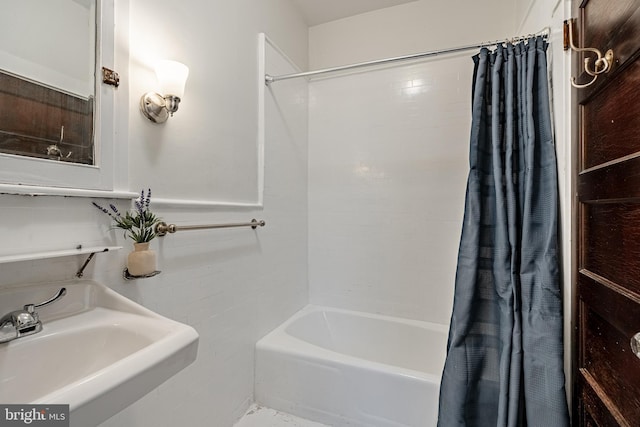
[(47, 79)]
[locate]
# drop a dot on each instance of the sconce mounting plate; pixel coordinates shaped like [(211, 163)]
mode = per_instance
[(153, 107)]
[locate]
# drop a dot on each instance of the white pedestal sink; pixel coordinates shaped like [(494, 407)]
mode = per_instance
[(98, 351)]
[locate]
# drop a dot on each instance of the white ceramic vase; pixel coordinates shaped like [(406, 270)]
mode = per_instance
[(142, 260)]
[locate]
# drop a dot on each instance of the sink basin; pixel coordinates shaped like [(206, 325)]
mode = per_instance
[(98, 351)]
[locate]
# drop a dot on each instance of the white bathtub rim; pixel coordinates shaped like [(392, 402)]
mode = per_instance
[(310, 308), (280, 341)]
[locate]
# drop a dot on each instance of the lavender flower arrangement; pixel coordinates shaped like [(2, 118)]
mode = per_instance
[(139, 224)]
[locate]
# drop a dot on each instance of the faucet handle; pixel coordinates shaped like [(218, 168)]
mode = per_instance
[(32, 307)]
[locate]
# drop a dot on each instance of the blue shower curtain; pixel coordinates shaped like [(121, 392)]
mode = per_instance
[(504, 365)]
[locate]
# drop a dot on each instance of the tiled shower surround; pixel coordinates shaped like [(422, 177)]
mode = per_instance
[(388, 164)]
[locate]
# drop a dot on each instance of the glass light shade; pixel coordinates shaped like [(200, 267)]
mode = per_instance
[(172, 77)]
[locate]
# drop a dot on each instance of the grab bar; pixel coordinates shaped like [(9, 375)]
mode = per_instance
[(162, 228)]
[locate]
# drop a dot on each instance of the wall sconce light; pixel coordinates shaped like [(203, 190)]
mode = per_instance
[(172, 77)]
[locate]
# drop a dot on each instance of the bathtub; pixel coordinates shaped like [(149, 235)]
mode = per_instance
[(347, 368)]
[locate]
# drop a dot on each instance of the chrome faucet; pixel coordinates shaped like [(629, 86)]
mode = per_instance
[(24, 322)]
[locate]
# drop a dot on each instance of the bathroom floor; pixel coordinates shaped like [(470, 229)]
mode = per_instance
[(258, 416)]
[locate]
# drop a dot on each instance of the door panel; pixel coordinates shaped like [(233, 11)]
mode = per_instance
[(607, 293), (612, 245), (613, 122), (612, 24), (594, 412), (606, 349), (604, 18)]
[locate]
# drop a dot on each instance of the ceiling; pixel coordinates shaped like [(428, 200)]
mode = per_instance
[(321, 11)]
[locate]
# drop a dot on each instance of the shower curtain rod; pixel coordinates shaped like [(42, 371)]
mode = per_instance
[(268, 79)]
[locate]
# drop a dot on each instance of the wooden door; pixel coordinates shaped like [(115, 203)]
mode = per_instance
[(607, 292)]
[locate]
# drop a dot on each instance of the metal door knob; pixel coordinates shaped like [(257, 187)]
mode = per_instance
[(635, 344)]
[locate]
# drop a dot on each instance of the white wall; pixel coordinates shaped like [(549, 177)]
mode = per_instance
[(213, 134), (418, 26), (388, 157), (234, 285)]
